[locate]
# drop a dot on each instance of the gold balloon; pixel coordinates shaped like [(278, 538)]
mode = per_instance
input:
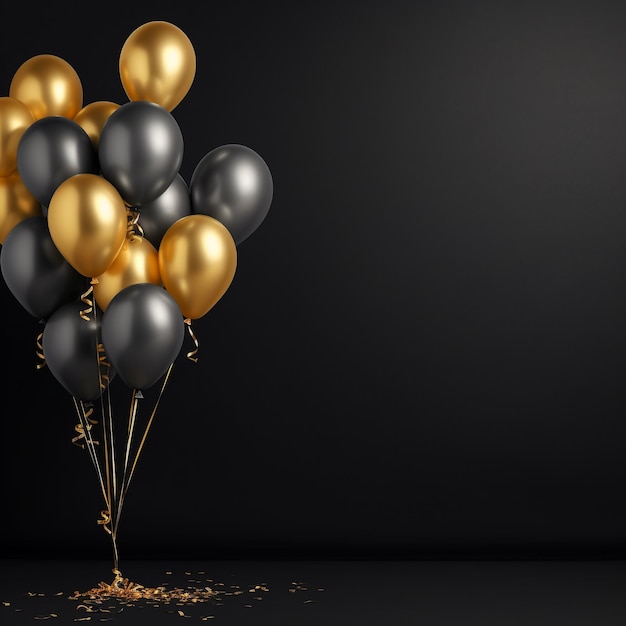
[(87, 220), (16, 204), (197, 261), (48, 85), (137, 262), (157, 63), (92, 117), (15, 118)]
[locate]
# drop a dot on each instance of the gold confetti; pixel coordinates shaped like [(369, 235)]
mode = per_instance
[(6, 604), (207, 617), (82, 619)]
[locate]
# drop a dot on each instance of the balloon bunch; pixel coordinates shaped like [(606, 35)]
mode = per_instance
[(102, 238)]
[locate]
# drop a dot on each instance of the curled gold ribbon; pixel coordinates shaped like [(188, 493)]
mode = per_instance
[(133, 228), (39, 352), (192, 354), (102, 362), (80, 429), (88, 301), (105, 521)]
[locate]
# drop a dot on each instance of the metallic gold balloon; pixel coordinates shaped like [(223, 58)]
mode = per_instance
[(88, 222), (48, 85), (137, 262), (197, 261), (15, 118), (157, 63), (91, 118), (16, 204)]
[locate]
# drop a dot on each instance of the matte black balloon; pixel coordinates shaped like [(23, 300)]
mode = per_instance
[(140, 151), (143, 332), (51, 150), (69, 345), (35, 271), (232, 184), (158, 215)]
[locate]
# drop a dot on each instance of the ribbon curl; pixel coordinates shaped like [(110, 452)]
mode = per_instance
[(191, 354)]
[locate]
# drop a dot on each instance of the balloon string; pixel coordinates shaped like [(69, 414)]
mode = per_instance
[(132, 418), (86, 424), (109, 450), (126, 485), (133, 228), (88, 301), (191, 355), (39, 351)]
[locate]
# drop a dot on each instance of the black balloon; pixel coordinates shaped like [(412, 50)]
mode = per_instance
[(158, 215), (140, 151), (35, 271), (142, 331), (234, 185), (70, 348), (51, 150)]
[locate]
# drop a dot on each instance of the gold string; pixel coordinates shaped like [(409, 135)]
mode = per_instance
[(110, 465), (86, 423), (126, 484), (132, 418), (191, 355), (105, 521), (133, 227), (88, 301), (39, 351)]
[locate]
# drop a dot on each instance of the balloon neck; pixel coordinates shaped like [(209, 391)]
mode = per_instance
[(94, 281)]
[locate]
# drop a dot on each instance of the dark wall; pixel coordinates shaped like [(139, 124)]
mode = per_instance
[(422, 352)]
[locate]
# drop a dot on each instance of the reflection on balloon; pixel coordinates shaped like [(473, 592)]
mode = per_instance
[(35, 271), (234, 185), (92, 117), (159, 214), (140, 151), (197, 260), (51, 150), (73, 352), (142, 332), (16, 204), (15, 118), (87, 220), (48, 85), (157, 63), (137, 262)]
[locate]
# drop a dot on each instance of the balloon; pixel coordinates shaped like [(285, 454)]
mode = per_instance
[(47, 85), (92, 117), (137, 262), (16, 204), (197, 260), (159, 214), (35, 271), (70, 348), (157, 63), (51, 150), (15, 118), (142, 332), (87, 220), (234, 185), (140, 151)]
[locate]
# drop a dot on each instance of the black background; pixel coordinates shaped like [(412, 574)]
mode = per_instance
[(422, 353)]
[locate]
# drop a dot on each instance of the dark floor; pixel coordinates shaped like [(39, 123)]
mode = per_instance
[(294, 593)]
